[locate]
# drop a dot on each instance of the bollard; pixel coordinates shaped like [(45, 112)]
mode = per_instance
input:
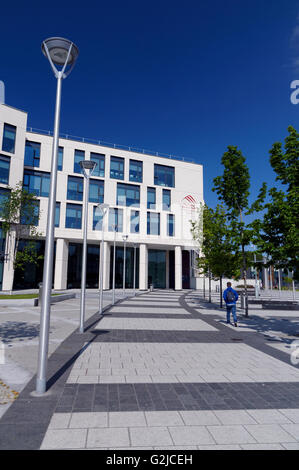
[(40, 292), (242, 300), (151, 287)]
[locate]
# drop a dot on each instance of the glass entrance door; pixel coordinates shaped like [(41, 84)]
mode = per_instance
[(157, 268)]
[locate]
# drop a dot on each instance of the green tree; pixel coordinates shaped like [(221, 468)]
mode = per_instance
[(277, 234), (232, 189), (19, 221), (214, 237)]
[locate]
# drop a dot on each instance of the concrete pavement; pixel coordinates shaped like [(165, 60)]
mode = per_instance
[(161, 371)]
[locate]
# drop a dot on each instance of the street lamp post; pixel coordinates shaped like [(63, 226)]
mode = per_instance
[(125, 237), (134, 272), (87, 166), (113, 277), (103, 208), (60, 52)]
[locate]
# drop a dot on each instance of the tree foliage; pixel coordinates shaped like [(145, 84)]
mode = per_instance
[(277, 234), (19, 221)]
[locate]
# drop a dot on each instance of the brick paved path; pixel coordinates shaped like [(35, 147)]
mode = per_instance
[(156, 373)]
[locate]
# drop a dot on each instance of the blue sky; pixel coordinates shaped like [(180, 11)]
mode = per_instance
[(183, 78)]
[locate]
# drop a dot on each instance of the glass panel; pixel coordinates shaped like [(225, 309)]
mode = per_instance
[(157, 268), (135, 173), (134, 226), (4, 169), (96, 191), (170, 225), (32, 153), (151, 198), (128, 195), (131, 259), (73, 216), (115, 220), (97, 223), (163, 175), (153, 223), (37, 183), (166, 200), (4, 194), (79, 155), (100, 168), (117, 168), (60, 159), (75, 188), (75, 266), (57, 214), (9, 138)]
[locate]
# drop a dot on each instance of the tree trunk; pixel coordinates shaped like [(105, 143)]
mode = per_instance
[(210, 299), (221, 302), (204, 286)]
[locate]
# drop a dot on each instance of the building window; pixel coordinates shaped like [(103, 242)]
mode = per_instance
[(96, 191), (170, 225), (73, 216), (97, 222), (57, 214), (166, 200), (117, 165), (134, 222), (60, 159), (128, 195), (115, 220), (164, 175), (78, 156), (37, 182), (9, 138), (75, 188), (135, 171), (29, 217), (151, 198), (32, 153), (153, 223), (4, 195), (100, 160), (4, 169)]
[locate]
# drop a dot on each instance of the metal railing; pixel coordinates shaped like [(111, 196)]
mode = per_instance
[(110, 145)]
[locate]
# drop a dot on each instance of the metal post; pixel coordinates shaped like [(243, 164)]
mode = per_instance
[(255, 276), (279, 281), (124, 270), (113, 279), (49, 253), (84, 256), (101, 269), (134, 275)]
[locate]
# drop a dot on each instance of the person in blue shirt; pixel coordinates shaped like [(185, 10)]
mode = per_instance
[(230, 297)]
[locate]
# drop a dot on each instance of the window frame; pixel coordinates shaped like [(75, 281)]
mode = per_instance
[(76, 207), (6, 139), (128, 187), (35, 162), (164, 181), (121, 161), (140, 165)]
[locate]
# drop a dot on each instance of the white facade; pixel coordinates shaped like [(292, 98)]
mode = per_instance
[(186, 195)]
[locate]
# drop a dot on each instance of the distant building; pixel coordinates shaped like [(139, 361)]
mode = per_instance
[(152, 199)]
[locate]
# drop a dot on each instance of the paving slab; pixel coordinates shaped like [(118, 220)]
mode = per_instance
[(142, 380)]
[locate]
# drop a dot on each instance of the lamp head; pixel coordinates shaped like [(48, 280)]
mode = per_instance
[(61, 52)]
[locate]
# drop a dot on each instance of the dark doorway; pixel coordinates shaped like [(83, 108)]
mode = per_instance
[(119, 267), (75, 266), (185, 269), (171, 270)]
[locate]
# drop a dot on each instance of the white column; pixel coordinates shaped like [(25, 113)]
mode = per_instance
[(106, 267), (178, 268), (61, 262), (143, 267)]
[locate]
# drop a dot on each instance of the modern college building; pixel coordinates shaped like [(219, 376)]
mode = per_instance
[(151, 199)]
